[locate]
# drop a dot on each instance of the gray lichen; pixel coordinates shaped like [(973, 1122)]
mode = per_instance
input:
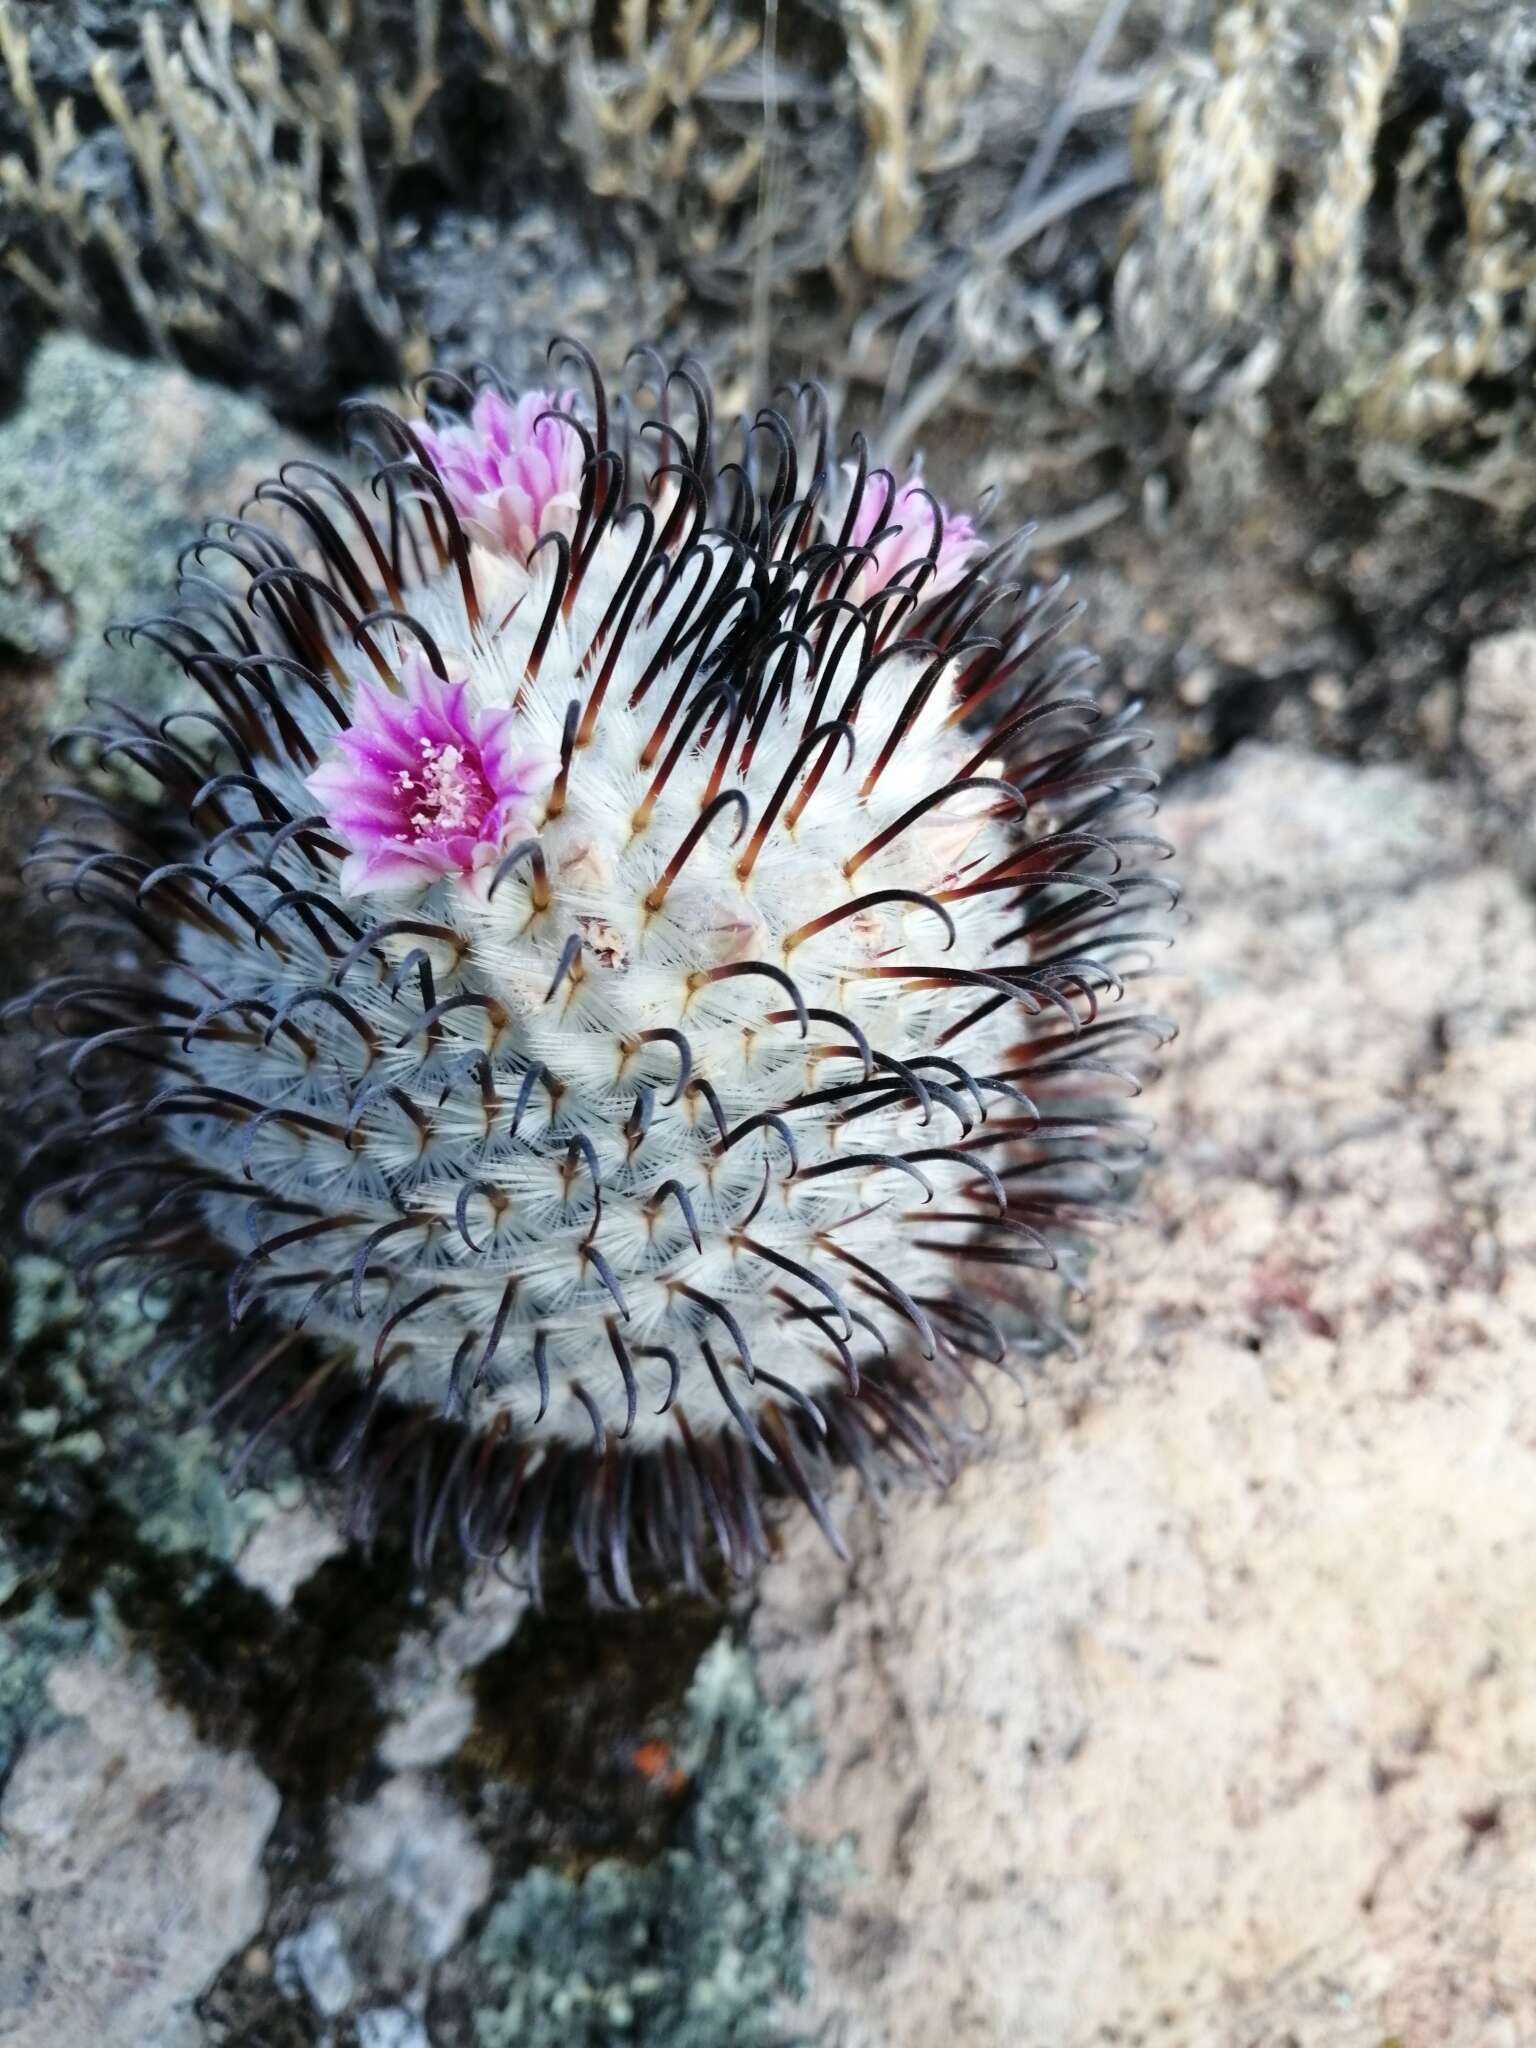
[(109, 466), (85, 1522), (35, 1634), (698, 1949), (82, 1381)]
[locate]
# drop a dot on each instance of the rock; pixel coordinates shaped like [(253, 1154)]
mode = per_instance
[(132, 1868), (435, 1727), (314, 1962), (1498, 723), (432, 1708), (111, 465), (414, 1874), (287, 1548), (390, 2026), (1202, 1711)]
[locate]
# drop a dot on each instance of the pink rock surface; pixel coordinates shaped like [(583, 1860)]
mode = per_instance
[(1204, 1713)]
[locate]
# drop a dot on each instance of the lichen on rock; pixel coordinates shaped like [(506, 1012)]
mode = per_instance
[(698, 1949), (108, 466)]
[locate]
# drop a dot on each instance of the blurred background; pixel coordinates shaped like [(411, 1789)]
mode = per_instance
[(1199, 1712)]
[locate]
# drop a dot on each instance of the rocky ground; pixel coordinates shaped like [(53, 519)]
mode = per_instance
[(1201, 1712), (1197, 1712)]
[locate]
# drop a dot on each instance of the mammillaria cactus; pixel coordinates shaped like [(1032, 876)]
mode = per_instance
[(613, 969)]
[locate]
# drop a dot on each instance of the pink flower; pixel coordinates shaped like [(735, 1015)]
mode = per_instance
[(512, 475), (909, 520), (423, 785)]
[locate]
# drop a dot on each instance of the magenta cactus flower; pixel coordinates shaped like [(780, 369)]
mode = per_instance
[(421, 784), (513, 470), (898, 524)]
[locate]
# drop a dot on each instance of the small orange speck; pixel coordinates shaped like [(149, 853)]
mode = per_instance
[(653, 1760)]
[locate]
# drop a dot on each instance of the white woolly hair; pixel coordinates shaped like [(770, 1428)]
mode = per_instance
[(702, 1123)]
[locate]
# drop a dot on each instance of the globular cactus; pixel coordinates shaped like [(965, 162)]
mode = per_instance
[(613, 969)]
